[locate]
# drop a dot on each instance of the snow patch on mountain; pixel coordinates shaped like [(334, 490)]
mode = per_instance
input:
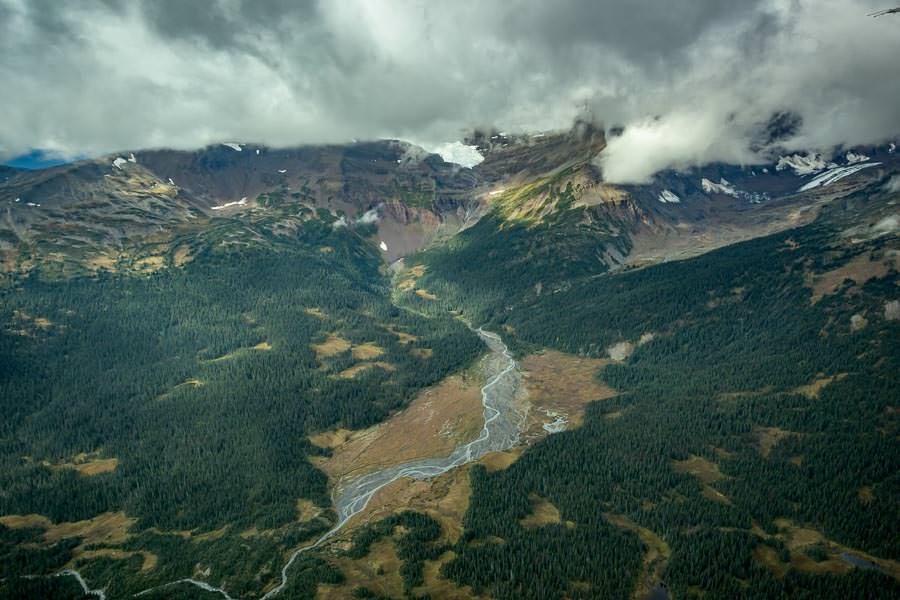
[(119, 162), (668, 197), (803, 165), (232, 145), (853, 158), (458, 153), (723, 187), (240, 202), (835, 174)]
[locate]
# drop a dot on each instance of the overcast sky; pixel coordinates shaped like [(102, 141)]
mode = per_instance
[(692, 81)]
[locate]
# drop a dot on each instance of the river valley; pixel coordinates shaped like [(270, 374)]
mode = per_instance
[(503, 425)]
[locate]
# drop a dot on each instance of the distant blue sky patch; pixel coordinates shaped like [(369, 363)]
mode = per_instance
[(36, 159)]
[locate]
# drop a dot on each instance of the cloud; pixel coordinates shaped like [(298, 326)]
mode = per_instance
[(823, 63), (370, 216), (676, 140), (690, 85)]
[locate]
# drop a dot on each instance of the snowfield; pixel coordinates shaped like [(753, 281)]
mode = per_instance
[(233, 145), (803, 165), (668, 197), (726, 188), (240, 202), (458, 153), (825, 173), (723, 187), (834, 174)]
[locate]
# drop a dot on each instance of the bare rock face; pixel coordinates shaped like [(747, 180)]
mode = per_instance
[(406, 215), (406, 229)]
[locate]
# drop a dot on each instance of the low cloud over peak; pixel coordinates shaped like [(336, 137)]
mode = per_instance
[(690, 86)]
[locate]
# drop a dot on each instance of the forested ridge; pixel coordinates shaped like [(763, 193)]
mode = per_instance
[(203, 383), (716, 442)]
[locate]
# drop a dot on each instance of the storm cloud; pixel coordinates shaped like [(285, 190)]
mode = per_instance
[(690, 82)]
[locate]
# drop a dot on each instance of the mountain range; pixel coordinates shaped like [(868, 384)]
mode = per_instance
[(79, 214), (201, 352)]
